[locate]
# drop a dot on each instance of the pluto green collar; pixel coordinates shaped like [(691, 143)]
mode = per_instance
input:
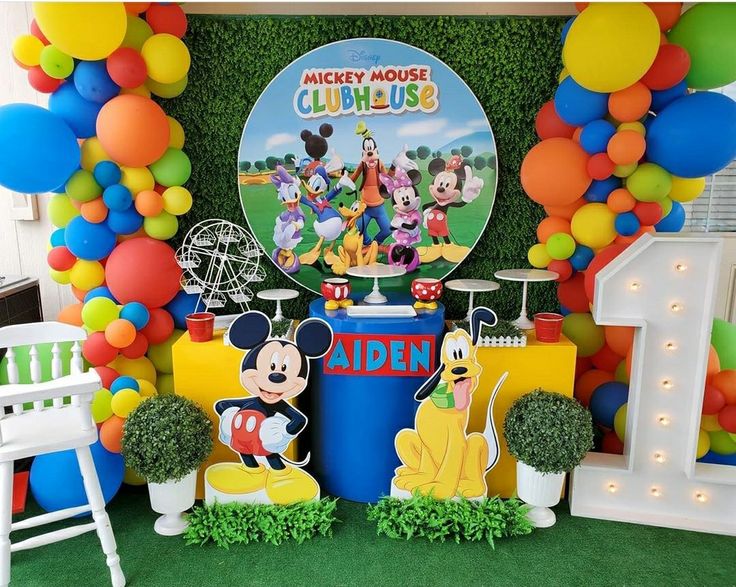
[(442, 398)]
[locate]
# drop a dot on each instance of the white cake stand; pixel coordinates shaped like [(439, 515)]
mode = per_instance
[(376, 271), (471, 286), (278, 295), (525, 276)]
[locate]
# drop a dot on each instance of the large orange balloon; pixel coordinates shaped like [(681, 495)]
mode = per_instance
[(550, 226), (630, 104), (554, 172), (587, 383), (133, 130), (567, 211), (619, 338)]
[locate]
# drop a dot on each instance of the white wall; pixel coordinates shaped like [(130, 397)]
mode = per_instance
[(22, 242)]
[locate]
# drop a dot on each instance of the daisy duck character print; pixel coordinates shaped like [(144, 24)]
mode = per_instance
[(287, 232)]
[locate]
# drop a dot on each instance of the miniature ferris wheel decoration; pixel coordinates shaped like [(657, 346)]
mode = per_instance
[(219, 260)]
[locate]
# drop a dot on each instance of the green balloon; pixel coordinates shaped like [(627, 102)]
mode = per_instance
[(137, 33), (174, 168), (723, 339), (56, 63), (61, 210), (102, 405), (666, 204), (584, 333), (621, 375), (721, 443), (161, 227), (560, 246), (82, 186), (708, 32), (167, 90), (649, 183), (99, 312), (165, 384), (160, 354)]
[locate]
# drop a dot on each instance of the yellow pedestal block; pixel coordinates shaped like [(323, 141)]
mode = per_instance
[(206, 372), (549, 366)]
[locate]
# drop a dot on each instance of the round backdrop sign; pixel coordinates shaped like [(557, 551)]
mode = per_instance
[(367, 151)]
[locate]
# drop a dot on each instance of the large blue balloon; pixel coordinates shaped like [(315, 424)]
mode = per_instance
[(674, 221), (578, 106), (607, 398), (695, 135), (124, 221), (661, 98), (78, 113), (93, 82), (183, 304), (88, 240), (716, 459), (38, 150), (56, 482), (595, 136)]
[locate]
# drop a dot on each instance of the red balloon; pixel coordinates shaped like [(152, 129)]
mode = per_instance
[(727, 419), (61, 259), (605, 359), (97, 350), (41, 82), (137, 348), (571, 294), (648, 213), (600, 166), (669, 68), (36, 32), (713, 400), (167, 18), (582, 364), (563, 267), (599, 262), (612, 444), (143, 270), (667, 13), (107, 374), (127, 68), (160, 326), (548, 124)]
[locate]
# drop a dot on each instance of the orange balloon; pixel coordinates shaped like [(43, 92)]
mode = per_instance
[(588, 382), (111, 433), (580, 6), (120, 333), (667, 13), (725, 382), (626, 147), (78, 293), (554, 172), (714, 362), (619, 338), (550, 226), (620, 200), (629, 360), (576, 134), (566, 211), (71, 314), (137, 234), (133, 130), (136, 7), (94, 211), (631, 103), (149, 203)]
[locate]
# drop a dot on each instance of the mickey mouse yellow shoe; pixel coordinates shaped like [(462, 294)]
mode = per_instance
[(429, 254), (454, 253), (290, 485), (236, 478)]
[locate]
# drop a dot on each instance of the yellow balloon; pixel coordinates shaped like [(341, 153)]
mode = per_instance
[(177, 200), (147, 389), (619, 422), (141, 90), (709, 423), (610, 46), (592, 225), (27, 50), (137, 179), (563, 74), (86, 274), (703, 444), (635, 126), (61, 210), (132, 478), (124, 402), (140, 368), (167, 58), (167, 90), (685, 189), (625, 170), (85, 30), (176, 133), (538, 256), (137, 32), (60, 277), (92, 153)]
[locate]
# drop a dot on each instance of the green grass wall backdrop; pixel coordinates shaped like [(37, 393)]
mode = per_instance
[(511, 64)]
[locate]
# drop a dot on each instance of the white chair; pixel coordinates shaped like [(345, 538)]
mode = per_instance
[(50, 427)]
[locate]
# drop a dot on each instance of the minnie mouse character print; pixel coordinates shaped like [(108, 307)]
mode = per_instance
[(401, 188)]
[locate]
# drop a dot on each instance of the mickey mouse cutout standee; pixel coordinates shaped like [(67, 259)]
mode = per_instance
[(260, 427)]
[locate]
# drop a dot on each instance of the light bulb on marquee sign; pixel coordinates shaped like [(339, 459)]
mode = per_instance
[(657, 481)]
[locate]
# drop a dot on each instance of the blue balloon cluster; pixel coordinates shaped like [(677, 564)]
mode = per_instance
[(78, 113), (607, 398)]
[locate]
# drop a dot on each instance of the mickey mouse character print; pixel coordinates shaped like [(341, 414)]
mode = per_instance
[(260, 427)]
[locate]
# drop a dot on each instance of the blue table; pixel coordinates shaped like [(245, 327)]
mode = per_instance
[(363, 393)]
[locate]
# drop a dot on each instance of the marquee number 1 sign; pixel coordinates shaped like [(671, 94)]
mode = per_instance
[(665, 286)]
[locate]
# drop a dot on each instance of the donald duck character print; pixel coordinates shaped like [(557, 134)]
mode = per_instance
[(259, 427)]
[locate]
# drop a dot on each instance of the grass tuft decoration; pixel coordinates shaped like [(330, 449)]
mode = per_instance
[(243, 523), (441, 520)]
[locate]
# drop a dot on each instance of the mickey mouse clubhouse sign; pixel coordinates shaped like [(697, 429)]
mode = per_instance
[(364, 151)]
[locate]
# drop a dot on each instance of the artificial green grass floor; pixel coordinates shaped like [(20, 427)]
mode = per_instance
[(577, 551)]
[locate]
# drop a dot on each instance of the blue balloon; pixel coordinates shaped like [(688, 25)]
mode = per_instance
[(578, 106), (581, 258), (595, 136), (57, 238), (38, 150), (674, 221), (695, 135), (183, 304), (716, 459), (78, 113), (56, 482), (566, 29), (136, 313), (124, 382), (124, 221), (107, 173), (599, 189), (607, 398), (564, 311), (660, 98), (627, 224), (88, 240), (101, 291), (93, 82), (117, 197)]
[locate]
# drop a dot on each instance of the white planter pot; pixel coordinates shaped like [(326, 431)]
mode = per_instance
[(540, 490), (172, 499)]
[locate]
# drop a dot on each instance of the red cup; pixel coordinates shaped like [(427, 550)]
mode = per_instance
[(548, 326), (426, 289), (200, 325), (335, 289)]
